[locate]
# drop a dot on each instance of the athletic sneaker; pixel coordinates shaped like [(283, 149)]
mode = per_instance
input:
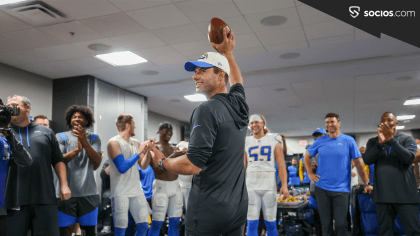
[(106, 229)]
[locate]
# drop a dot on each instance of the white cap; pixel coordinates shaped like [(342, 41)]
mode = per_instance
[(255, 118), (207, 60)]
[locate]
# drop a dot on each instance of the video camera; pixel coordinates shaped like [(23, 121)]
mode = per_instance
[(6, 113)]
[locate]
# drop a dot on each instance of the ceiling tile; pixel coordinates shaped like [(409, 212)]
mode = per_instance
[(287, 46), (32, 38), (246, 41), (159, 17), (238, 24), (113, 25), (180, 34), (254, 20), (194, 49), (63, 32), (360, 35), (163, 55), (248, 51), (327, 29), (8, 45), (8, 23), (84, 9), (310, 15), (27, 57), (105, 41), (281, 36), (138, 41), (88, 63), (331, 40), (62, 52), (127, 5), (204, 11), (10, 59), (252, 6)]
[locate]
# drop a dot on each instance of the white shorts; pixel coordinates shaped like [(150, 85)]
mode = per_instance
[(167, 197), (138, 207), (185, 194), (265, 200)]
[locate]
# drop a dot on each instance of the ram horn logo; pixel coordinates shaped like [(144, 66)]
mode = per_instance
[(354, 11)]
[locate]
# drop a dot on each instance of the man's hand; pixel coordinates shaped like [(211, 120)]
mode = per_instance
[(368, 189), (65, 193), (313, 177), (178, 152), (387, 131), (145, 146), (107, 170), (228, 43), (156, 155), (80, 133), (381, 137), (284, 191)]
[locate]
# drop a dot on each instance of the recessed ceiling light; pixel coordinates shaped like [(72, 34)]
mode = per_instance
[(404, 78), (150, 72), (174, 100), (273, 20), (5, 2), (400, 127), (291, 55), (98, 47), (196, 98), (280, 89), (406, 117), (121, 58), (414, 101)]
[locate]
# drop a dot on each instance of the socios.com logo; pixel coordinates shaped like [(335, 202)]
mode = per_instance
[(354, 11)]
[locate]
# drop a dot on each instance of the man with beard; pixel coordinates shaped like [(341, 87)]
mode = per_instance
[(395, 190), (82, 152)]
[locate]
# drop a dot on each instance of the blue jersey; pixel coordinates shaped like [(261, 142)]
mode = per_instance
[(334, 163), (4, 163), (147, 177)]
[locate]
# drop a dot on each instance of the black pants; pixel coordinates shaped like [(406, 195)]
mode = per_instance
[(333, 203), (44, 220), (409, 214), (234, 232)]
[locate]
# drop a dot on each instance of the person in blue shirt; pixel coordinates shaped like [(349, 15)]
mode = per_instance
[(332, 178), (294, 179)]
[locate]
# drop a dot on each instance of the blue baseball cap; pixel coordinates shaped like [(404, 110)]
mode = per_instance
[(319, 130), (207, 60)]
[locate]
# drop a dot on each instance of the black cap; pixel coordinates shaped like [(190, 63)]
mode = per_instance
[(165, 125)]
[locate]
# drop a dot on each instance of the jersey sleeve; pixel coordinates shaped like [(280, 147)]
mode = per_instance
[(96, 143), (61, 143), (56, 154), (203, 134), (354, 151), (313, 149)]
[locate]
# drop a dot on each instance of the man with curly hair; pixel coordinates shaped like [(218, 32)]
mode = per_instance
[(82, 152)]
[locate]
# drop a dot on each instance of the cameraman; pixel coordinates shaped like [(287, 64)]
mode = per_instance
[(31, 191), (10, 148)]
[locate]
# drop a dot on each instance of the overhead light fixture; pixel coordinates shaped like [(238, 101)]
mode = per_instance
[(273, 20), (400, 127), (196, 98), (5, 2), (406, 117), (414, 101), (125, 58)]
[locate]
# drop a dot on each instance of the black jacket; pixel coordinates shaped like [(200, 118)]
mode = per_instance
[(393, 176)]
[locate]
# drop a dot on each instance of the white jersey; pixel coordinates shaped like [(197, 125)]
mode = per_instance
[(260, 171), (127, 184), (260, 153)]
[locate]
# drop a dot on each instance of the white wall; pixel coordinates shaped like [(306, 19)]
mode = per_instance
[(35, 87), (153, 122)]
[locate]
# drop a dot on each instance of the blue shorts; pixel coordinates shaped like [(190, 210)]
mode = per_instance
[(83, 210)]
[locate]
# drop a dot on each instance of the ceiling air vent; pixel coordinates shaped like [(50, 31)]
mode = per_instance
[(36, 13)]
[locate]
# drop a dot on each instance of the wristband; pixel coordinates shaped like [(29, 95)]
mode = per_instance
[(160, 164)]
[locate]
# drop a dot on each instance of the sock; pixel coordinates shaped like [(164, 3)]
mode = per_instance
[(174, 226), (155, 228), (271, 228), (119, 231), (252, 229), (142, 229)]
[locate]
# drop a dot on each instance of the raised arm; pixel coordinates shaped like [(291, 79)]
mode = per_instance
[(122, 164), (180, 165), (226, 48), (94, 156)]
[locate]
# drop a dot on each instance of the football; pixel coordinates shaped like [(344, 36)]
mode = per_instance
[(216, 30)]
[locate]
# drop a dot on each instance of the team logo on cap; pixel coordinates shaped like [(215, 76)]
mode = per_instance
[(220, 64), (204, 56)]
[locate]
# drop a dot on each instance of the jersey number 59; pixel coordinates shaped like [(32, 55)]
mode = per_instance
[(260, 154)]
